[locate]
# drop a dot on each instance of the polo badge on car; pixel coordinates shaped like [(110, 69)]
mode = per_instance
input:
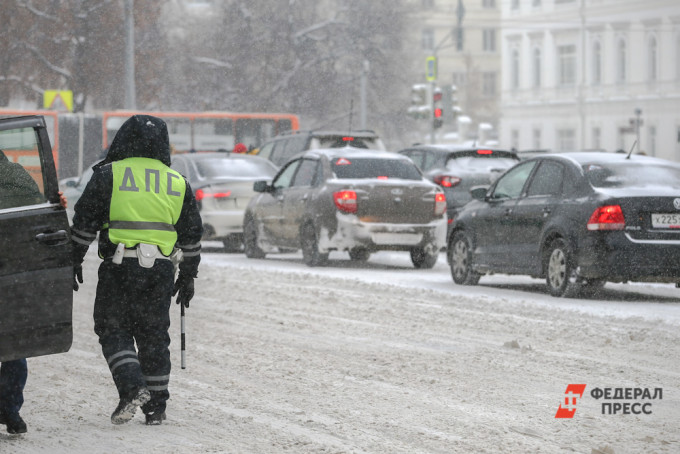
[(676, 203)]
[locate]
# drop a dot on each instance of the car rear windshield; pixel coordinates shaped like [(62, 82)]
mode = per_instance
[(216, 168), (375, 168), (629, 174), (482, 160)]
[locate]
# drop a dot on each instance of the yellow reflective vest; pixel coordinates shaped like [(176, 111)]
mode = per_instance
[(146, 202)]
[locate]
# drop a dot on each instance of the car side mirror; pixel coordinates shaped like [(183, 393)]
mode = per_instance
[(479, 192), (261, 186)]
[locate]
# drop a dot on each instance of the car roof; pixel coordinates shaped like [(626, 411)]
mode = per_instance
[(332, 153), (216, 155), (449, 148), (362, 133), (589, 157)]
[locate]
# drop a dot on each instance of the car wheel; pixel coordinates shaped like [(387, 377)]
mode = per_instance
[(251, 249), (359, 254), (310, 247), (422, 259), (460, 260), (233, 244), (560, 272)]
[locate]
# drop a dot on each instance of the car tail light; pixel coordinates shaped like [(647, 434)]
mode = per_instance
[(346, 201), (439, 204), (203, 194), (484, 151), (446, 181), (608, 217)]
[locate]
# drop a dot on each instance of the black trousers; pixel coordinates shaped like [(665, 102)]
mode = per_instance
[(132, 307)]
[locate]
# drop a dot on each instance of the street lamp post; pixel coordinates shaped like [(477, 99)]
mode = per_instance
[(130, 94)]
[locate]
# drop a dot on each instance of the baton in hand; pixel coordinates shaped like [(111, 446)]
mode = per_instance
[(183, 329)]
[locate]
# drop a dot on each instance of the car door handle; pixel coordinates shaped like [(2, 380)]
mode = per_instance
[(546, 211), (52, 238), (508, 211)]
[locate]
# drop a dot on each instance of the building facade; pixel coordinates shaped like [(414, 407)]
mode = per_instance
[(591, 74)]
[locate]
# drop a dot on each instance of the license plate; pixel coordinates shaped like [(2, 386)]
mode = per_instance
[(666, 220), (397, 238)]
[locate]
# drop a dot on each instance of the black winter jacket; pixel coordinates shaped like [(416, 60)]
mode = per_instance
[(140, 136)]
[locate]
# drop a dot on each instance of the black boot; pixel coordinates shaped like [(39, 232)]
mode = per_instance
[(128, 406), (14, 423), (155, 418)]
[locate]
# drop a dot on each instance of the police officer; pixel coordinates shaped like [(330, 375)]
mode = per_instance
[(146, 216)]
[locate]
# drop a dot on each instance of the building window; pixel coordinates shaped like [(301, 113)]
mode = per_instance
[(566, 140), (567, 64), (597, 63), (514, 69), (489, 84), (621, 61), (651, 149), (536, 139), (652, 60), (460, 38), (428, 39), (536, 3), (459, 80), (597, 139), (428, 4), (514, 4), (489, 40), (677, 59), (537, 68), (488, 3)]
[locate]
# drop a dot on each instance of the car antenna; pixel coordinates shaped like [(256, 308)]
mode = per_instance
[(631, 150)]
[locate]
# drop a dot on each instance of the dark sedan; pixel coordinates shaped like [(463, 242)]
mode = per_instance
[(347, 199), (576, 219), (456, 170)]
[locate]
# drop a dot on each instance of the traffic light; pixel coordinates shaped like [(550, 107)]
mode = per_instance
[(438, 119), (420, 101)]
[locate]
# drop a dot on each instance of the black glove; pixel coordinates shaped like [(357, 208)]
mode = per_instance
[(77, 276), (185, 286)]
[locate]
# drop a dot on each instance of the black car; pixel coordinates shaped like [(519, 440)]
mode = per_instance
[(576, 219), (36, 271), (457, 169), (282, 148)]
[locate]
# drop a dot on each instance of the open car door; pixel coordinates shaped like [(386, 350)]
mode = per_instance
[(36, 272)]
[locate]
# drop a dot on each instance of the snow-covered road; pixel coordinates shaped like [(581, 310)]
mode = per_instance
[(375, 358)]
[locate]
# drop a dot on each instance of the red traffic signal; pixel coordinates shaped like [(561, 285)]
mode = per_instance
[(438, 112)]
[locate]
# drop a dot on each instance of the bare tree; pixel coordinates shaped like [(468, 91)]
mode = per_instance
[(300, 56)]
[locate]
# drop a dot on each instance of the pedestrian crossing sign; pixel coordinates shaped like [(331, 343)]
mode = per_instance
[(61, 100)]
